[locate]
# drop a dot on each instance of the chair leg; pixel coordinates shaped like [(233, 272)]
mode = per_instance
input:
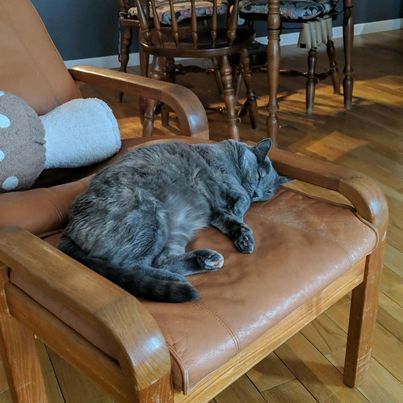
[(348, 39), (169, 75), (312, 80), (333, 68), (158, 73), (229, 98), (273, 66), (250, 94), (144, 70), (164, 115), (216, 67), (19, 355), (363, 310), (125, 42)]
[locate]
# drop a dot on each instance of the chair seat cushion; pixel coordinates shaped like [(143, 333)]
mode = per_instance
[(296, 10), (183, 10), (303, 244)]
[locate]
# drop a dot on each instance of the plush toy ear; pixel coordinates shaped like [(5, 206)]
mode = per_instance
[(262, 148)]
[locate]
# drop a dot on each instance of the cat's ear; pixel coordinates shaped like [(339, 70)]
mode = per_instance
[(262, 148)]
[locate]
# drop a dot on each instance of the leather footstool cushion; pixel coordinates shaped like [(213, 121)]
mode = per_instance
[(302, 245)]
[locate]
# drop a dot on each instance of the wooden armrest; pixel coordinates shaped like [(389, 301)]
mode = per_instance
[(82, 299), (186, 105), (363, 192)]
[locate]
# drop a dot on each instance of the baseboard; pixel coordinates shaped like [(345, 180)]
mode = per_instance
[(286, 39)]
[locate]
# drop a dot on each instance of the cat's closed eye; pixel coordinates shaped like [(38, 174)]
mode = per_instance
[(260, 174)]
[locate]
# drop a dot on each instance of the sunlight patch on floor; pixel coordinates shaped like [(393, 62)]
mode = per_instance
[(335, 145)]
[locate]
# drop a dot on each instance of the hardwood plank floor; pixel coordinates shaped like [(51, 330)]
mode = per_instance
[(368, 138)]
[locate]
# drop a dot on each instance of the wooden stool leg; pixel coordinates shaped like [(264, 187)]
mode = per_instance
[(333, 69), (125, 42), (348, 39), (250, 94), (19, 354), (311, 82), (363, 310), (157, 73), (229, 98)]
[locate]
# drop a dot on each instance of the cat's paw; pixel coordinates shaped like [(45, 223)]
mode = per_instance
[(245, 242), (209, 259)]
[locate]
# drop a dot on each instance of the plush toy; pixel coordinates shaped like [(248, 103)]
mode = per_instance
[(22, 144), (78, 133)]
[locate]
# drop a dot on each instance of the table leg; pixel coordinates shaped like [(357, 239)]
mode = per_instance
[(348, 39), (273, 65)]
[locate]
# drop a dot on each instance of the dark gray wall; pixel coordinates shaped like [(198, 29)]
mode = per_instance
[(89, 28)]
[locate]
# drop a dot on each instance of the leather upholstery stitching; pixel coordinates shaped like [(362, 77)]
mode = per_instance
[(184, 369), (202, 305), (341, 246), (55, 206), (341, 205)]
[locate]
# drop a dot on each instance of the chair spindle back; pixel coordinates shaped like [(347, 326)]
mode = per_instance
[(147, 24)]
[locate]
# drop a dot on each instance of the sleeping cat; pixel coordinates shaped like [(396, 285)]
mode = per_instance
[(133, 223)]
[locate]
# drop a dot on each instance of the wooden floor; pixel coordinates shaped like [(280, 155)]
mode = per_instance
[(368, 138)]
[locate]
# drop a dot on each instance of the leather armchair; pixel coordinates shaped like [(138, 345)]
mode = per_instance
[(310, 252)]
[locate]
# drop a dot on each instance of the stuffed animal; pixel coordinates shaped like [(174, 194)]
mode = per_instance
[(22, 144), (78, 133)]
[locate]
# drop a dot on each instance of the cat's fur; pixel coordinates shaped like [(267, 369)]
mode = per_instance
[(133, 223)]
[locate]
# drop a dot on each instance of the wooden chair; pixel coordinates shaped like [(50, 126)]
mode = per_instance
[(165, 37), (314, 16), (310, 252)]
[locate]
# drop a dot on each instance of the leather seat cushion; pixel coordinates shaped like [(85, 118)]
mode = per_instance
[(302, 245), (183, 10)]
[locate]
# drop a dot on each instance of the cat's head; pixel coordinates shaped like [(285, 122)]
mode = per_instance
[(260, 178)]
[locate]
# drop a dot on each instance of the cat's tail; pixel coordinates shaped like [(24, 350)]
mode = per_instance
[(141, 281)]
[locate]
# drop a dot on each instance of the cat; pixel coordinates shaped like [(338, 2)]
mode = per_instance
[(133, 223)]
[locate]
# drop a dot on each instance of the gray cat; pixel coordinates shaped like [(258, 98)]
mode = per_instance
[(133, 223)]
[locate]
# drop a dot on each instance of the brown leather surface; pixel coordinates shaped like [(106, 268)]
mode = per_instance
[(303, 245), (30, 65)]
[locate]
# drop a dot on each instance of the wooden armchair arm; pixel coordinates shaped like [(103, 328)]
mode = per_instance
[(363, 192), (89, 303), (186, 105)]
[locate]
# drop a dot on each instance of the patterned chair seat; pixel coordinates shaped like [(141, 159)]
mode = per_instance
[(296, 10), (204, 8)]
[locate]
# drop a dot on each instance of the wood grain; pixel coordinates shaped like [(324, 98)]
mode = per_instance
[(270, 340), (19, 354)]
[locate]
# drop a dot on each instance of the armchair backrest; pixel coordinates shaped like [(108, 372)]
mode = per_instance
[(30, 65)]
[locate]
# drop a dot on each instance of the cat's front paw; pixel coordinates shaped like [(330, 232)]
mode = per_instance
[(245, 242), (209, 259)]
